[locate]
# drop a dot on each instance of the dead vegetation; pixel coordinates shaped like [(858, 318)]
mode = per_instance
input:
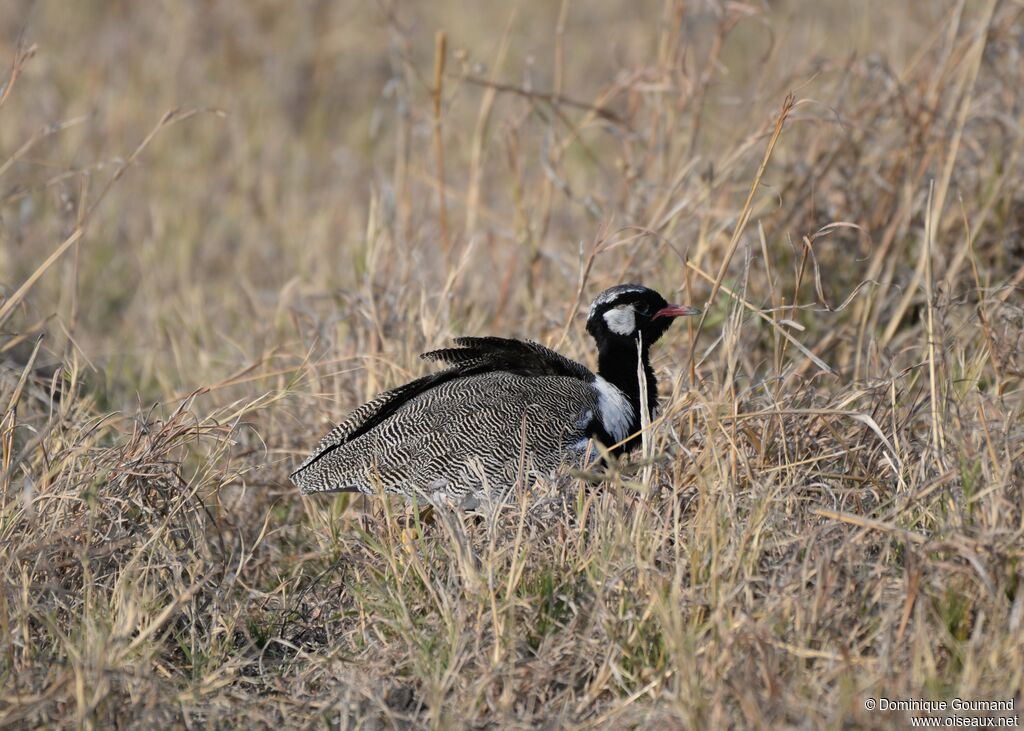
[(833, 508)]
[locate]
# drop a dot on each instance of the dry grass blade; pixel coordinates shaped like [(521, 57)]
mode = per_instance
[(440, 53), (780, 326), (22, 55), (645, 414), (171, 117), (871, 524), (553, 99), (965, 92), (741, 223)]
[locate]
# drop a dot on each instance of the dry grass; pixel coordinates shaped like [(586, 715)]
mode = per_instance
[(833, 510)]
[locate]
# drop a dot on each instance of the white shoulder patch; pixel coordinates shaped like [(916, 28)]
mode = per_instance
[(616, 411)]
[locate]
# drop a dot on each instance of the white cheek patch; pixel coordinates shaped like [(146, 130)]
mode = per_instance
[(621, 320)]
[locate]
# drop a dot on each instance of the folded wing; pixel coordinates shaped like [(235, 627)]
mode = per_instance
[(436, 396)]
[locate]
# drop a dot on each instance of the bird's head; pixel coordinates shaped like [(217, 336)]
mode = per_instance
[(622, 313)]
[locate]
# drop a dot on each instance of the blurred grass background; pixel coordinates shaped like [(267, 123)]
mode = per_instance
[(271, 260), (323, 101)]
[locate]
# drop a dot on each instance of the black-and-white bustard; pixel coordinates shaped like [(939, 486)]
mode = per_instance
[(502, 407)]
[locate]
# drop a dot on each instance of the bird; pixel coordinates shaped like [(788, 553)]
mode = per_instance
[(502, 410)]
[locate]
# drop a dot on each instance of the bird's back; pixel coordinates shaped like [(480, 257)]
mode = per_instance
[(470, 434)]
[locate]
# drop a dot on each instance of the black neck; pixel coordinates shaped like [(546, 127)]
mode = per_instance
[(617, 364)]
